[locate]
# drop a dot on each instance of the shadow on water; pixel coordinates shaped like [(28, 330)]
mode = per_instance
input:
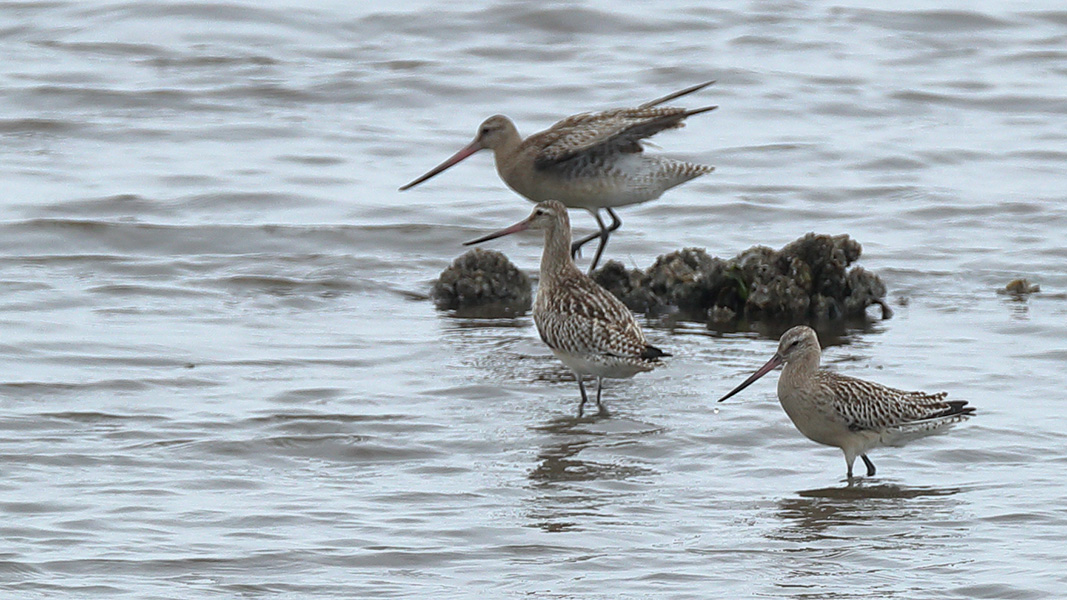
[(814, 513), (565, 485)]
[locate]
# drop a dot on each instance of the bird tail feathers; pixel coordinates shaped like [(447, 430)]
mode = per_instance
[(900, 435)]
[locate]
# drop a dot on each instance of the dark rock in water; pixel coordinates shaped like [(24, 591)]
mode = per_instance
[(1020, 288), (483, 283), (865, 289), (627, 286), (807, 280)]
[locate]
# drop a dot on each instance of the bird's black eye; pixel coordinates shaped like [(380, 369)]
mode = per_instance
[(794, 344), (484, 131)]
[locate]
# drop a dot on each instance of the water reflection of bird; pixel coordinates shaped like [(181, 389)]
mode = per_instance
[(584, 325), (851, 414), (812, 512), (591, 160), (563, 499)]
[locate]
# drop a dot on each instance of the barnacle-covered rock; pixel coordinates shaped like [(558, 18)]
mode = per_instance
[(1020, 288), (627, 286), (483, 283), (807, 280)]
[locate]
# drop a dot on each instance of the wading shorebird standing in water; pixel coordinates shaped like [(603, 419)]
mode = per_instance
[(851, 414), (584, 325), (592, 160)]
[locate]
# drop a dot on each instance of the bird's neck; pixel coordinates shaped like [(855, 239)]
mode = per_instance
[(803, 367), (506, 154), (556, 258)]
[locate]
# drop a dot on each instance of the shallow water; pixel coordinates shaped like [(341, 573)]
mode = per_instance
[(222, 377)]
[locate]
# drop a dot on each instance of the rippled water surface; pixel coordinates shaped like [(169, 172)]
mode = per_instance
[(221, 376)]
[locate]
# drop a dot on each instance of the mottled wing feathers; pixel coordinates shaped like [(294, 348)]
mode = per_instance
[(613, 131), (865, 405), (583, 318)]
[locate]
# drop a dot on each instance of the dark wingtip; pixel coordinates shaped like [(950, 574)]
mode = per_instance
[(651, 353), (955, 407), (960, 407)]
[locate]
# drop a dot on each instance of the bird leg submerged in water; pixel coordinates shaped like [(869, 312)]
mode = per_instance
[(602, 411)]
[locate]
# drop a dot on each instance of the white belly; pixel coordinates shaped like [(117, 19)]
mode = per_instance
[(601, 366), (627, 179)]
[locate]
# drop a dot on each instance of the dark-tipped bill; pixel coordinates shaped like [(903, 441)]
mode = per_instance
[(774, 362), (522, 225), (467, 150)]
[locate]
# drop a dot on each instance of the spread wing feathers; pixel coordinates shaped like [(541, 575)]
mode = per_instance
[(585, 319), (898, 414), (613, 131)]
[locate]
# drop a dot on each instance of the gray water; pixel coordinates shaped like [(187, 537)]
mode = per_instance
[(221, 378)]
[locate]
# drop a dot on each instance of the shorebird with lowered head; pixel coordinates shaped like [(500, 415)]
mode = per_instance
[(594, 161), (586, 327), (851, 414)]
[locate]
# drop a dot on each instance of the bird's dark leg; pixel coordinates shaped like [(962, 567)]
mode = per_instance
[(603, 412), (870, 465), (585, 398), (616, 222), (576, 247), (604, 233)]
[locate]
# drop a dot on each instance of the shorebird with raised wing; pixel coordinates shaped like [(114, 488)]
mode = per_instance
[(585, 326), (851, 414), (595, 161)]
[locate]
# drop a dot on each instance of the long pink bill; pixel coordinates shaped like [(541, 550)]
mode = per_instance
[(773, 363), (517, 227), (455, 158)]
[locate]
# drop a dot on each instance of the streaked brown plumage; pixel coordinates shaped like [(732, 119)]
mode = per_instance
[(584, 325), (851, 414), (592, 160)]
